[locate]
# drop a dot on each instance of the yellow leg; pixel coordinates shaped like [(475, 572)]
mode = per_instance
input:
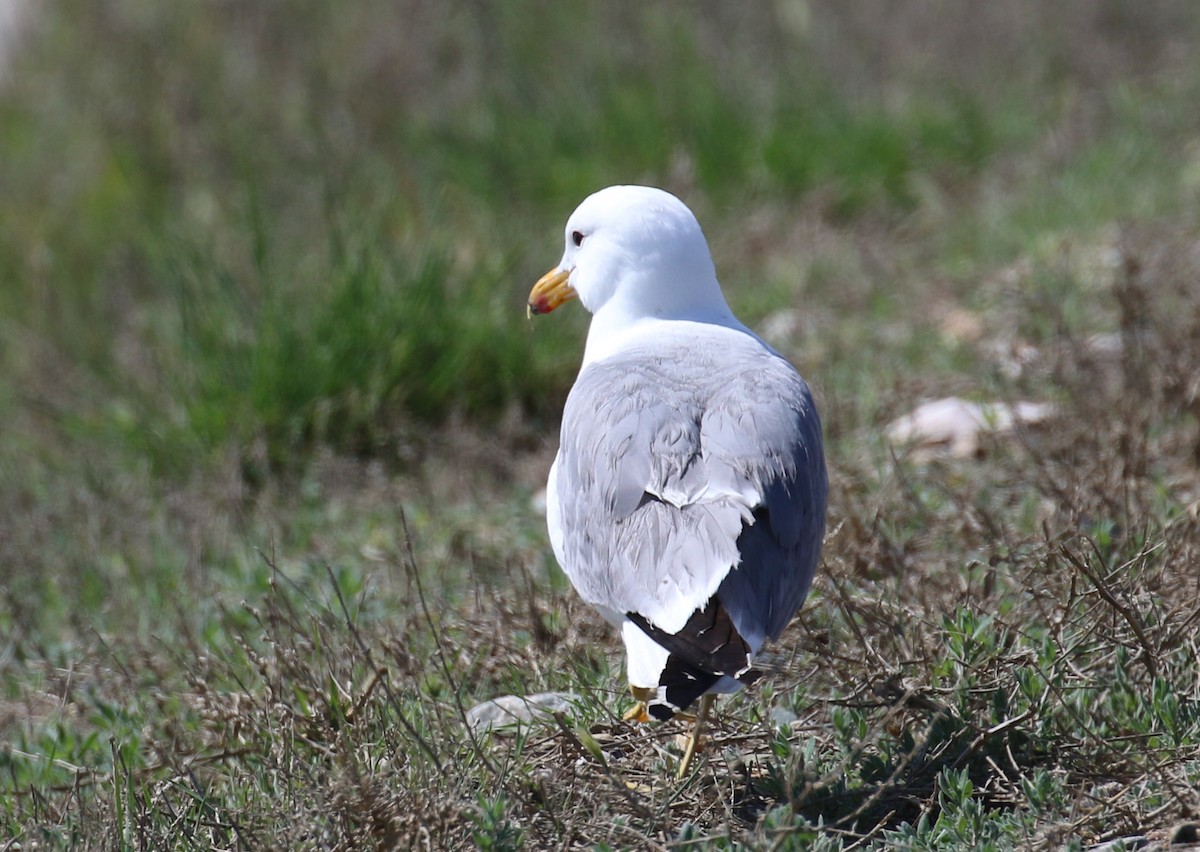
[(689, 753), (638, 712)]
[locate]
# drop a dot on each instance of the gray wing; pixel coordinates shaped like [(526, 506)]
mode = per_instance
[(689, 470)]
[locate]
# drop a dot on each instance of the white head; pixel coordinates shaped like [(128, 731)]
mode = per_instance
[(634, 252)]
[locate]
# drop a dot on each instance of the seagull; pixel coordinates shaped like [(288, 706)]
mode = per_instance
[(687, 500)]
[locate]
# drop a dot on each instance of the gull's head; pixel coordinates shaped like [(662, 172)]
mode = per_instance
[(633, 252)]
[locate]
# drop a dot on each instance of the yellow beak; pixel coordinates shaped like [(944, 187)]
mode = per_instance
[(551, 291)]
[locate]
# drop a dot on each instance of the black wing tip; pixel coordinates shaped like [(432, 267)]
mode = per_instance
[(680, 684), (707, 649), (709, 641)]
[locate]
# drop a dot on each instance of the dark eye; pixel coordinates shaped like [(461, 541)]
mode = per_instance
[(577, 237)]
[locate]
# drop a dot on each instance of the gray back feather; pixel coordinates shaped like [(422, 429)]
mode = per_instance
[(685, 468)]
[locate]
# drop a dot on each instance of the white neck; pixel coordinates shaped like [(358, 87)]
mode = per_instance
[(614, 326)]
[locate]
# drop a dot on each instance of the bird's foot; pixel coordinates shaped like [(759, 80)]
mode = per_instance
[(636, 713), (639, 712)]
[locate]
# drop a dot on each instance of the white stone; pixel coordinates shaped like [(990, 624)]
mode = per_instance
[(954, 426), (508, 712), (781, 717)]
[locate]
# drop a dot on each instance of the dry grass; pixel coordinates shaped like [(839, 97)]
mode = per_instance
[(1023, 623)]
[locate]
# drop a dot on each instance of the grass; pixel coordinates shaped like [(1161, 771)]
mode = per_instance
[(274, 421)]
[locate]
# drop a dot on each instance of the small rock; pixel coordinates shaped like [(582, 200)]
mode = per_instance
[(508, 712), (1122, 844), (953, 426), (781, 717)]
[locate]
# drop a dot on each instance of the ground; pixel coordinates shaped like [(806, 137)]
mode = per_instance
[(275, 424)]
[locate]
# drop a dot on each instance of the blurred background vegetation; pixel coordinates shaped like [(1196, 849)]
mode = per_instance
[(237, 239), (263, 265), (287, 225)]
